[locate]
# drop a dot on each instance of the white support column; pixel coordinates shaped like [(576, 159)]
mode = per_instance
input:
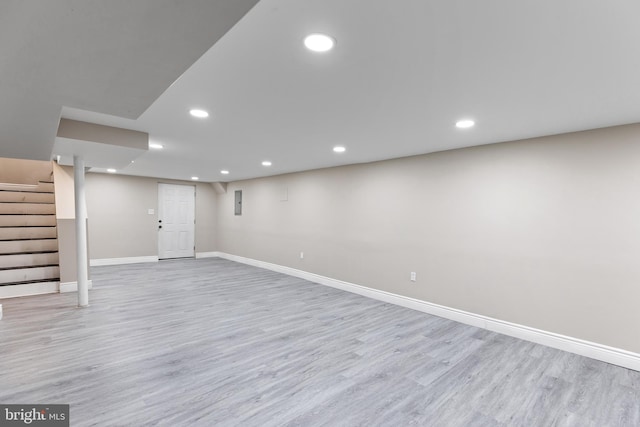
[(81, 232)]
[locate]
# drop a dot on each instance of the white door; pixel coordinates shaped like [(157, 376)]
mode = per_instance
[(176, 221)]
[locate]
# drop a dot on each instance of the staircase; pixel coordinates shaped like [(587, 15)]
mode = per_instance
[(28, 240)]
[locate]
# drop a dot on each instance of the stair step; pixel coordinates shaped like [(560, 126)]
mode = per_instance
[(27, 208), (28, 260), (6, 186), (23, 233), (26, 197), (46, 273), (22, 246), (27, 220), (41, 187), (28, 282), (12, 290)]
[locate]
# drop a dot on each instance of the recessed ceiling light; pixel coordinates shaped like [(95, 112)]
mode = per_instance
[(266, 163), (111, 170), (465, 124), (156, 146), (339, 149), (195, 178), (319, 42), (201, 114), (224, 172)]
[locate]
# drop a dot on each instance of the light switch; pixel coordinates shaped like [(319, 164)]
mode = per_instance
[(151, 212)]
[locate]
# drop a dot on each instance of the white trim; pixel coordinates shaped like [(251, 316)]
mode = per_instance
[(590, 349), (118, 261), (207, 254), (72, 286), (27, 289)]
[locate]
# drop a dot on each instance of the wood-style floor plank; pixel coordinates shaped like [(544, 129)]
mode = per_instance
[(211, 342)]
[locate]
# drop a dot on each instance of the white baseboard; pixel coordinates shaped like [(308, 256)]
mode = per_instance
[(14, 291), (118, 261), (72, 286), (589, 349), (207, 254)]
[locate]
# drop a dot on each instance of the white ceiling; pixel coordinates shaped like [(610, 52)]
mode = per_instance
[(114, 57), (400, 76)]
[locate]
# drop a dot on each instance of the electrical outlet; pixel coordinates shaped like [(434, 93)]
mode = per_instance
[(413, 276), (301, 255)]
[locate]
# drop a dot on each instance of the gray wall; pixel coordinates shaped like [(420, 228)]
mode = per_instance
[(542, 232), (119, 225)]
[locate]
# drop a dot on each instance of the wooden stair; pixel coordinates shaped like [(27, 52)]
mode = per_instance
[(28, 240)]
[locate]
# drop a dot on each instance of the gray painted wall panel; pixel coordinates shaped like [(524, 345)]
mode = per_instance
[(119, 223), (542, 232)]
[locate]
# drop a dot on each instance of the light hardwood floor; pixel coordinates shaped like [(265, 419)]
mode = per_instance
[(211, 342)]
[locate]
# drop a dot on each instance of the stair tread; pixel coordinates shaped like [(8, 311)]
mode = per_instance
[(29, 203), (15, 221), (18, 190), (19, 214), (27, 282), (28, 253), (35, 239), (28, 226), (24, 267)]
